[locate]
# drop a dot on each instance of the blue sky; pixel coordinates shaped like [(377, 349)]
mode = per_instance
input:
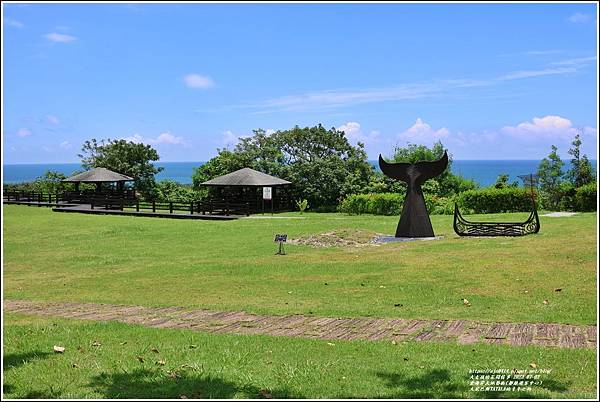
[(491, 81)]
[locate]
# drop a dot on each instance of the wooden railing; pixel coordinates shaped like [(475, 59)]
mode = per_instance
[(120, 202), (86, 196), (34, 197), (77, 197), (194, 207)]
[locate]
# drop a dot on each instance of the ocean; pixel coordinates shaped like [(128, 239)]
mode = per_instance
[(483, 172)]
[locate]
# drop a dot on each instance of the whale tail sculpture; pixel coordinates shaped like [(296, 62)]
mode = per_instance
[(414, 221)]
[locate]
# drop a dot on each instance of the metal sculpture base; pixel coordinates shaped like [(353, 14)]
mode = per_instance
[(393, 239), (463, 227)]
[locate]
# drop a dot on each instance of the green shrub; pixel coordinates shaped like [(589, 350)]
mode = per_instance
[(494, 200), (377, 204), (585, 197), (355, 204), (391, 204), (566, 192), (385, 204), (170, 190), (440, 205), (302, 205), (24, 186)]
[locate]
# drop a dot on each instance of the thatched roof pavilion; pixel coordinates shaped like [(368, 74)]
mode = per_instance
[(245, 185), (246, 177), (98, 176)]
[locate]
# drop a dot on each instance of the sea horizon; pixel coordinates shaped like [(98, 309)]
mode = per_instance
[(483, 171)]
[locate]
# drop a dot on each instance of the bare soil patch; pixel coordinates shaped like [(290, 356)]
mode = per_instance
[(339, 238)]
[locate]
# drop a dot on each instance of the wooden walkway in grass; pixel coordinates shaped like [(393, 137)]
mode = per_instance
[(328, 328)]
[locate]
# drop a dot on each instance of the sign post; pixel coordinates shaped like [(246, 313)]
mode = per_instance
[(267, 195), (280, 238)]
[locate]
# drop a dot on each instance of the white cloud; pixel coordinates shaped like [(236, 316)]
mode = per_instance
[(66, 145), (422, 133), (541, 52), (58, 37), (542, 127), (336, 98), (532, 53), (350, 129), (229, 138), (24, 132), (548, 128), (523, 140), (198, 81), (581, 61), (354, 133), (52, 119), (270, 131), (580, 18), (347, 97), (136, 138), (515, 75), (163, 138), (13, 23), (167, 138)]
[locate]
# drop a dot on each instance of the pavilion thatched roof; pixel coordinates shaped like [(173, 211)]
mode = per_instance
[(97, 175), (246, 177)]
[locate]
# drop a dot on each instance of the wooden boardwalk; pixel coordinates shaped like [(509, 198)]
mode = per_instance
[(329, 328), (38, 204), (87, 209)]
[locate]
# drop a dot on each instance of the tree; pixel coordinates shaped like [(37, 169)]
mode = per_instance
[(581, 171), (225, 162), (51, 182), (444, 185), (125, 157), (322, 165), (550, 178), (502, 181), (170, 190)]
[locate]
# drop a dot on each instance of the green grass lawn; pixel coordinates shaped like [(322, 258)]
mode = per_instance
[(112, 360), (231, 266)]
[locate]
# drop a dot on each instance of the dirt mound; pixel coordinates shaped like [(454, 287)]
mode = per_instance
[(339, 238)]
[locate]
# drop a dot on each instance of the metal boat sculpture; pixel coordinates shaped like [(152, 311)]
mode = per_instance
[(414, 220), (463, 227)]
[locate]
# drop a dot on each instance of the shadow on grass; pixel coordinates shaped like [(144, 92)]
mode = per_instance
[(439, 383), (164, 384), (14, 360)]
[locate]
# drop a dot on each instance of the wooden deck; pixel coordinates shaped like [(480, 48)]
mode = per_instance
[(87, 209), (38, 204)]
